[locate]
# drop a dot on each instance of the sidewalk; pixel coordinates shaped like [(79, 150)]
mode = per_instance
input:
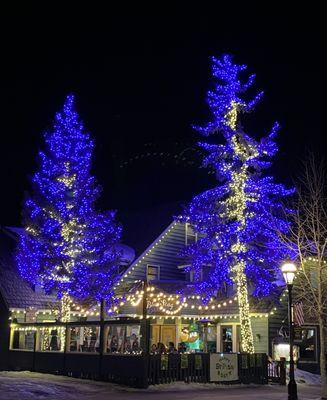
[(35, 386)]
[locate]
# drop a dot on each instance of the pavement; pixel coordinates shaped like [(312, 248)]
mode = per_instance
[(35, 386)]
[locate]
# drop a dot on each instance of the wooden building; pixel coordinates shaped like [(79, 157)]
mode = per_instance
[(183, 320)]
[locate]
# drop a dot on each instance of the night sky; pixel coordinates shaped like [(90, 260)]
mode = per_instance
[(141, 82)]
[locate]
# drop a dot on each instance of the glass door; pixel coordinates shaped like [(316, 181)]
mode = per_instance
[(226, 339)]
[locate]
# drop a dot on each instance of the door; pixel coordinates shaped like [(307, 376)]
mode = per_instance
[(163, 334), (168, 334), (228, 338), (155, 334)]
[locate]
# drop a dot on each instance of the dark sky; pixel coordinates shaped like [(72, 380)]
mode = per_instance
[(141, 82)]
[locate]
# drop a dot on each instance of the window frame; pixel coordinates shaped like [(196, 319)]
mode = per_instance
[(315, 351), (77, 339), (147, 272), (235, 343)]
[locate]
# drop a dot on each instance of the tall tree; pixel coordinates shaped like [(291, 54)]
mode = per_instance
[(68, 246), (235, 219), (308, 242)]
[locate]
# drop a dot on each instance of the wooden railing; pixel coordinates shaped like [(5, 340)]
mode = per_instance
[(167, 368), (277, 371), (144, 370)]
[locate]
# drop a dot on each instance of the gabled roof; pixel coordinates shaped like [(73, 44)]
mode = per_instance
[(15, 291)]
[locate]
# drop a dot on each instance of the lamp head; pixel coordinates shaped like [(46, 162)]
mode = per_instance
[(289, 270)]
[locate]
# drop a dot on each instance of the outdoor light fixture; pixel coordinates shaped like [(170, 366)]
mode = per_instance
[(289, 270)]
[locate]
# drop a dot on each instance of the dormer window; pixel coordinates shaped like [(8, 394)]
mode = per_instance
[(190, 235), (191, 276)]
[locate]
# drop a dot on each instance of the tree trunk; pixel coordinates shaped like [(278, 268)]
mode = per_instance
[(323, 359), (65, 303), (244, 309), (65, 307)]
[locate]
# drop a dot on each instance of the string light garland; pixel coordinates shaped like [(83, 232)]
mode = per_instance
[(169, 304), (68, 247), (237, 220), (161, 316)]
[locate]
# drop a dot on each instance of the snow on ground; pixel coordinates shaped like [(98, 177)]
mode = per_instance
[(304, 377), (35, 386)]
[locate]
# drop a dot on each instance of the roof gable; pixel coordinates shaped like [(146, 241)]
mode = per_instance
[(163, 251)]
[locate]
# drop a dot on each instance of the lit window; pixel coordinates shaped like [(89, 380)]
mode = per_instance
[(152, 273), (305, 339), (124, 339), (51, 339), (84, 339)]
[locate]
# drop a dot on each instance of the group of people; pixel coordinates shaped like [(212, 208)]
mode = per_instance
[(127, 345), (160, 348)]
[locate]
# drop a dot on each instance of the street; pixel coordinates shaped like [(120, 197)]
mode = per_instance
[(28, 386)]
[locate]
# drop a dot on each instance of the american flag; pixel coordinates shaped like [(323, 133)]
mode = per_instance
[(298, 314)]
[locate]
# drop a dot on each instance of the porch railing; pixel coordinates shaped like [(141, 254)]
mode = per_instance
[(142, 371), (277, 371)]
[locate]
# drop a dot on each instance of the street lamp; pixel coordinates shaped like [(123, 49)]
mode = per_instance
[(289, 270)]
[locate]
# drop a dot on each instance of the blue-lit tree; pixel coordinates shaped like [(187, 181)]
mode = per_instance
[(68, 246), (237, 220)]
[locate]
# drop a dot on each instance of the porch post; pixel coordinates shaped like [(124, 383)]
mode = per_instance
[(218, 342), (145, 329), (101, 341), (34, 350), (145, 325), (66, 346)]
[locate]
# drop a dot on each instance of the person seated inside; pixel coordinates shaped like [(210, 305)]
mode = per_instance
[(135, 342), (54, 340), (161, 348), (181, 347), (153, 349), (114, 344), (171, 347)]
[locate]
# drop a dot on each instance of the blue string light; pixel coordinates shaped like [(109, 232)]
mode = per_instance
[(237, 221), (68, 246)]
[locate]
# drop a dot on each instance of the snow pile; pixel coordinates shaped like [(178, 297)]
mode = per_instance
[(307, 378)]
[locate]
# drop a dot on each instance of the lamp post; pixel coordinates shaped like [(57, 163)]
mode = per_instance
[(289, 270)]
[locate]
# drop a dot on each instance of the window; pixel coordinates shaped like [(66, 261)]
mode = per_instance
[(51, 339), (305, 339), (123, 339), (190, 235), (23, 339), (152, 273), (84, 339)]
